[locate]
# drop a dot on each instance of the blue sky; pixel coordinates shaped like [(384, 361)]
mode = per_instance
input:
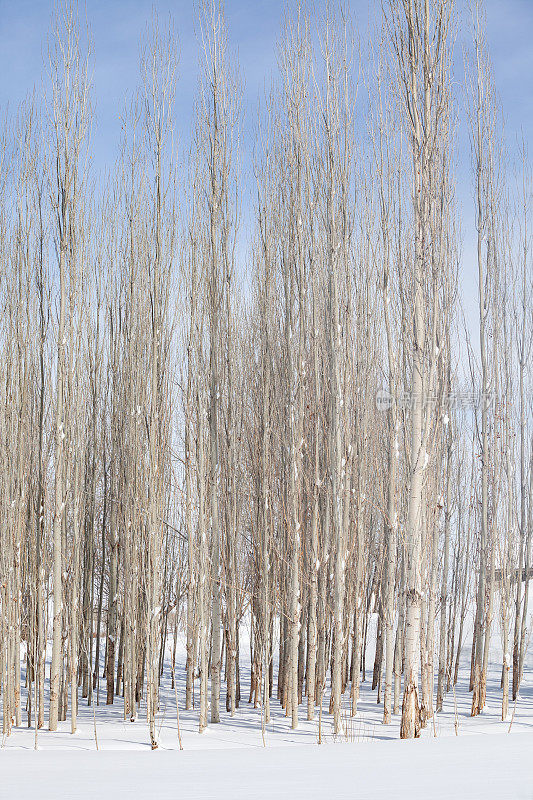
[(253, 29), (116, 26)]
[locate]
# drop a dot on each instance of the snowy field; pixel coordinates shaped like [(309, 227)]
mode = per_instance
[(458, 756), (472, 767)]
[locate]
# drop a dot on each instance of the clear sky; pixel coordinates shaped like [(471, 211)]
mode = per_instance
[(253, 27)]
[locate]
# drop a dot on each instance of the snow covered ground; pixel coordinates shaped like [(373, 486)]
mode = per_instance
[(457, 756), (481, 767)]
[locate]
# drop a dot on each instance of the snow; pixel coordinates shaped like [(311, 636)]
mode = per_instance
[(475, 767), (457, 756)]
